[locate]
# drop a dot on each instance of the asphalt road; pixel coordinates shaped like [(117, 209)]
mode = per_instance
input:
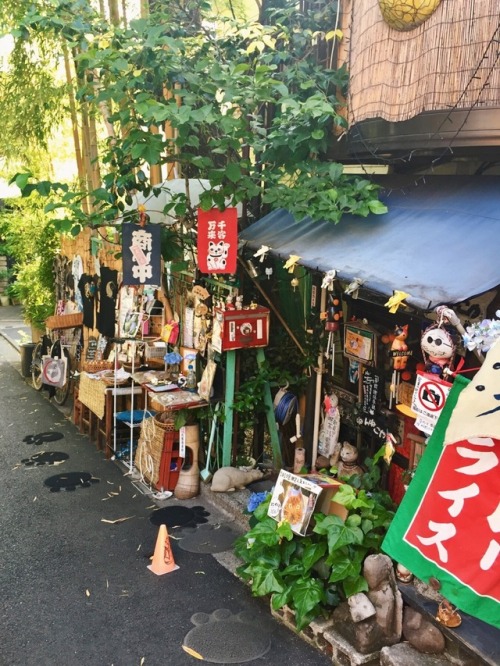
[(77, 591)]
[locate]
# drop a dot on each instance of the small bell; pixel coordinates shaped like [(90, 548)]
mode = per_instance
[(269, 271), (294, 283)]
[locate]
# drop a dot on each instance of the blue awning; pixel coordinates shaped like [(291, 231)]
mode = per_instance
[(439, 242)]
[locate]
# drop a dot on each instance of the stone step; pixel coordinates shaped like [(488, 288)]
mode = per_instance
[(473, 643), (403, 654)]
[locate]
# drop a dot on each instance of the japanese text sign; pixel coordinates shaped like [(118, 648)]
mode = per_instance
[(217, 240), (448, 524), (141, 254)]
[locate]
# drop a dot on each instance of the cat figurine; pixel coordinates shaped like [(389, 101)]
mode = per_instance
[(399, 347), (348, 461)]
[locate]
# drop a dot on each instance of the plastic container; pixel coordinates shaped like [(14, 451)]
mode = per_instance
[(191, 383)]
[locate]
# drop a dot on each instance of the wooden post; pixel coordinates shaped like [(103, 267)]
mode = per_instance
[(228, 410)]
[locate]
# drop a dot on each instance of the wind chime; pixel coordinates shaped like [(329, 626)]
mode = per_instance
[(400, 354), (333, 317)]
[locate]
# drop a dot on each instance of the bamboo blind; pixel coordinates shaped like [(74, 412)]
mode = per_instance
[(450, 61)]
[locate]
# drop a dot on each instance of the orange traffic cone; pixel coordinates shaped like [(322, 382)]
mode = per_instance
[(163, 559)]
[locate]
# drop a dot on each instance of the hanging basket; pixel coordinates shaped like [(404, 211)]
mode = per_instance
[(64, 320)]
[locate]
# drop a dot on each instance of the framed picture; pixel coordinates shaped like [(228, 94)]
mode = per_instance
[(359, 344), (294, 500)]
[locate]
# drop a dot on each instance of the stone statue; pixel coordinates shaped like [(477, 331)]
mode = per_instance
[(373, 620), (228, 479)]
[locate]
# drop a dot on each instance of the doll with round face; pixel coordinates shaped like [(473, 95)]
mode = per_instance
[(438, 349)]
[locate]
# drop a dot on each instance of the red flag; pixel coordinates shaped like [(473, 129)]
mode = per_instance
[(217, 240)]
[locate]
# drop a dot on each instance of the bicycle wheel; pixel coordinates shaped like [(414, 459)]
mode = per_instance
[(62, 392), (36, 366)]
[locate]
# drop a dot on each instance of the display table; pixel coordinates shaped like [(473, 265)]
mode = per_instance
[(98, 403)]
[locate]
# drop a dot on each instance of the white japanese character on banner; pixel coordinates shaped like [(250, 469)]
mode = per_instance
[(485, 461), (143, 239), (491, 554), (458, 497), (443, 532), (142, 273)]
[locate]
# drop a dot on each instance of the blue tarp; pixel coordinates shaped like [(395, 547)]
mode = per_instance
[(439, 242)]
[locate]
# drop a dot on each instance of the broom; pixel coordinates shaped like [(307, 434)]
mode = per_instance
[(205, 473)]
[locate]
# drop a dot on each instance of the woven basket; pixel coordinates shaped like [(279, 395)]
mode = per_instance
[(164, 421), (108, 377), (97, 366), (65, 320), (149, 451)]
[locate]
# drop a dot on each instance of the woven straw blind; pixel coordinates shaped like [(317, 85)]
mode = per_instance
[(449, 61)]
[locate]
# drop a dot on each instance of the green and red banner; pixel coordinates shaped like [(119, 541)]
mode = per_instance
[(448, 524)]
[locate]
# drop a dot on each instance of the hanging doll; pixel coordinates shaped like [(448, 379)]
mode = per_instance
[(328, 444), (438, 350)]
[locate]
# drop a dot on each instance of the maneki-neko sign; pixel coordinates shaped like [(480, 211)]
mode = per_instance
[(217, 240), (448, 524)]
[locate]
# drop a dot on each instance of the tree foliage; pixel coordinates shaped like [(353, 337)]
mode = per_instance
[(252, 107)]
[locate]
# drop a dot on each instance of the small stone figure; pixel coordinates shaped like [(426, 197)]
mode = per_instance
[(373, 620)]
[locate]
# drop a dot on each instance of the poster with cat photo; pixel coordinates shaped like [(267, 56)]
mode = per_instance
[(359, 344)]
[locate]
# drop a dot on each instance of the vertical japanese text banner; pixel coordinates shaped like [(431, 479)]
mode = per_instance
[(217, 240), (141, 254)]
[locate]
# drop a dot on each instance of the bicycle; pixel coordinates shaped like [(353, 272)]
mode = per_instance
[(56, 345)]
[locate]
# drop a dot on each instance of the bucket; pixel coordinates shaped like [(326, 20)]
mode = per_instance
[(26, 350)]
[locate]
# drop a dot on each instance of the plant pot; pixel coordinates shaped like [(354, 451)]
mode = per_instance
[(4, 300)]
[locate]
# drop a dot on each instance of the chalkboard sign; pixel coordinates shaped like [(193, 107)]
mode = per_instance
[(372, 382), (91, 350)]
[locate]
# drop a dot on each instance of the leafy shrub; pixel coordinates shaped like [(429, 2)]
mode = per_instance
[(312, 574)]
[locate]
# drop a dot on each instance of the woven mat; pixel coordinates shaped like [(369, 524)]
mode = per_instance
[(92, 394), (149, 451)]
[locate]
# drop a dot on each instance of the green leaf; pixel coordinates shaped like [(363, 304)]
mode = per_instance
[(265, 581), (233, 172), (377, 207), (307, 594), (354, 585), (313, 553), (21, 179)]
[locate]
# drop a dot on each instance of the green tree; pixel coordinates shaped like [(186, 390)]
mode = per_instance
[(251, 107)]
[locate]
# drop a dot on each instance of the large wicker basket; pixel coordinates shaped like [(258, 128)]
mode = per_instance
[(64, 320)]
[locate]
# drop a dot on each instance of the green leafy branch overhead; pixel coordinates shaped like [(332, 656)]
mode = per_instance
[(253, 109)]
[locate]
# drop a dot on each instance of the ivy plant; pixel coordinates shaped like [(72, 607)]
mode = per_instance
[(312, 574)]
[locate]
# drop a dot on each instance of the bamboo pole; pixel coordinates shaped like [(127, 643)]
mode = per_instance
[(317, 399)]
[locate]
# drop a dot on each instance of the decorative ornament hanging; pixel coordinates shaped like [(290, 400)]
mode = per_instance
[(262, 252), (269, 271), (400, 354), (294, 283), (438, 350), (406, 15), (291, 262), (353, 288), (396, 300), (329, 279), (333, 316)]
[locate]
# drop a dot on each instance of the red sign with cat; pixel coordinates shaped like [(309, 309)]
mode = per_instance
[(217, 240)]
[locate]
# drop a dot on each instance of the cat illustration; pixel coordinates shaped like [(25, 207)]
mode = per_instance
[(217, 255)]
